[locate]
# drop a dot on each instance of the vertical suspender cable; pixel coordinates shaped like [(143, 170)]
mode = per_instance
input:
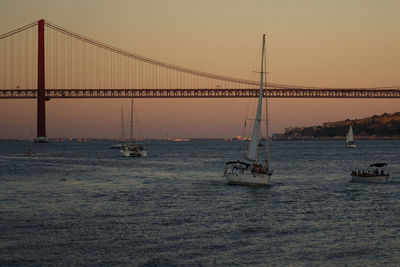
[(12, 63), (19, 60), (4, 41), (26, 60), (62, 60)]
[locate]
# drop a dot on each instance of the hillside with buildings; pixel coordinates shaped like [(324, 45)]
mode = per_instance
[(385, 126)]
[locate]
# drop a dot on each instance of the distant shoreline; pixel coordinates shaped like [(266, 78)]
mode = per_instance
[(297, 138), (310, 138)]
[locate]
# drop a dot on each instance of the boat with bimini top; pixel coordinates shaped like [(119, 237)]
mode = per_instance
[(376, 173)]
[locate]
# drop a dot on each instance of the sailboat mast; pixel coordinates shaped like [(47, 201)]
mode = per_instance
[(261, 87), (122, 122), (252, 152), (131, 130), (266, 111)]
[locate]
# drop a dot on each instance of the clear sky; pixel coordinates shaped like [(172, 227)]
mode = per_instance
[(353, 43)]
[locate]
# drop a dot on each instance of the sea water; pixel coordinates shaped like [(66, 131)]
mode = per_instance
[(81, 203)]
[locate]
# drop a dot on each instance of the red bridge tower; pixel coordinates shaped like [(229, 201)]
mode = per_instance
[(41, 107)]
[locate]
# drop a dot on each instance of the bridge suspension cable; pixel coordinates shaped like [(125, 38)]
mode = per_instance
[(74, 61)]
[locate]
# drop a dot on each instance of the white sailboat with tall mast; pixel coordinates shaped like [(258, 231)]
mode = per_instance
[(252, 171), (132, 149), (350, 138)]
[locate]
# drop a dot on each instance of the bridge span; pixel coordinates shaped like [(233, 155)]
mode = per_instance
[(200, 93)]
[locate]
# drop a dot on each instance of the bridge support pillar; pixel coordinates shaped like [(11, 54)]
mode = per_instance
[(41, 107)]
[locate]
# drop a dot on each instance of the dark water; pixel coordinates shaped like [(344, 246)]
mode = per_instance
[(82, 204)]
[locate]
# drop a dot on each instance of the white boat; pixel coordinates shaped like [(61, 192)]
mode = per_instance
[(252, 172), (132, 149), (376, 173), (350, 138)]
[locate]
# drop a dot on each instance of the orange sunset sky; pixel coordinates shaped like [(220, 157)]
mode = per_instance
[(323, 43)]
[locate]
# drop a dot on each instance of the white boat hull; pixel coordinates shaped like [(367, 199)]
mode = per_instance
[(41, 139), (350, 145), (116, 146), (248, 178), (370, 179), (128, 153)]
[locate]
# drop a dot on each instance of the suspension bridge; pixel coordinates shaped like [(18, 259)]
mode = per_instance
[(65, 64)]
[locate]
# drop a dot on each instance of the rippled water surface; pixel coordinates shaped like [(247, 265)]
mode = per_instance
[(80, 203)]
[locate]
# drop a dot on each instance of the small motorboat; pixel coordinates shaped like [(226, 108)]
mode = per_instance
[(376, 173)]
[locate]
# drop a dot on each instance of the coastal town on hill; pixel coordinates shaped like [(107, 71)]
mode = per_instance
[(384, 126)]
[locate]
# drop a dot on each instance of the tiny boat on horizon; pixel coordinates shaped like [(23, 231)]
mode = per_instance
[(350, 138)]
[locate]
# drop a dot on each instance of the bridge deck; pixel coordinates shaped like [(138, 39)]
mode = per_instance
[(200, 93)]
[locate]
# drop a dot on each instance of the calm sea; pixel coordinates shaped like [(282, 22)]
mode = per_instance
[(81, 203)]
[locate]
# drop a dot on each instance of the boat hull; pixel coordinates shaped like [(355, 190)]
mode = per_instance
[(248, 178), (350, 145), (127, 153), (41, 139), (117, 146), (370, 179)]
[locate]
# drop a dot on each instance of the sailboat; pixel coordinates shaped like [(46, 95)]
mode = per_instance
[(252, 171), (132, 149), (350, 138), (119, 145)]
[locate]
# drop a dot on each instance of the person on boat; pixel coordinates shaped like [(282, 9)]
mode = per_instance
[(376, 171), (238, 168), (255, 168), (382, 172), (258, 168), (266, 166)]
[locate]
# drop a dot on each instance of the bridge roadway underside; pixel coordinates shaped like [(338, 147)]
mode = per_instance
[(200, 93)]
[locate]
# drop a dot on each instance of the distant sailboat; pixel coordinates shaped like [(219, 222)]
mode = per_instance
[(132, 149), (252, 172), (350, 138)]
